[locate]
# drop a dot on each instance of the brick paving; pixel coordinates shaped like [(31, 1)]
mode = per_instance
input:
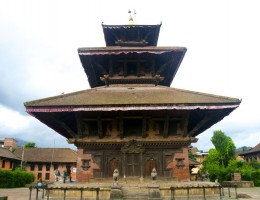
[(23, 193)]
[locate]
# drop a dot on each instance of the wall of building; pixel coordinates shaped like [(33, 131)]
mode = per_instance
[(83, 174), (177, 166), (6, 164), (181, 165), (10, 143), (251, 157)]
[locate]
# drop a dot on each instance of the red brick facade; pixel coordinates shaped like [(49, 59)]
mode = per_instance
[(45, 171), (181, 165)]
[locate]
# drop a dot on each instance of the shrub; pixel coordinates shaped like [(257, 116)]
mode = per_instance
[(17, 178), (256, 178)]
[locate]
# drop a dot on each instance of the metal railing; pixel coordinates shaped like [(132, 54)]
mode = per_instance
[(47, 189), (189, 188), (229, 186), (203, 188)]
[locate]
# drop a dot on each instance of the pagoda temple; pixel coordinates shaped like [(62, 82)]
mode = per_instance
[(131, 119)]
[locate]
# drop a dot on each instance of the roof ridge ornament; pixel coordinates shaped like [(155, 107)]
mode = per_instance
[(132, 20)]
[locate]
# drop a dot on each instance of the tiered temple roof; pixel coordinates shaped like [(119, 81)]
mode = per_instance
[(131, 74)]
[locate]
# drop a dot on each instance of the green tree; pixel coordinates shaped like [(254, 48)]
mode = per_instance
[(30, 145), (225, 146), (212, 164)]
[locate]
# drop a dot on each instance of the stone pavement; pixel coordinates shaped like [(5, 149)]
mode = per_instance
[(23, 193)]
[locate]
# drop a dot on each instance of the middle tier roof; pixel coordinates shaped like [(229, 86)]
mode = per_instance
[(131, 65)]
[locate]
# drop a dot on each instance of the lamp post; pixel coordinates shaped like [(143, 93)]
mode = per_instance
[(22, 157)]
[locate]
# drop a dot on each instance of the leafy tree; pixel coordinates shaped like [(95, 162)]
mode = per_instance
[(30, 145), (225, 146), (212, 164)]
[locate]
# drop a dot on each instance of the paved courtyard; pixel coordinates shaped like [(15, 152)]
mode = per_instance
[(23, 193)]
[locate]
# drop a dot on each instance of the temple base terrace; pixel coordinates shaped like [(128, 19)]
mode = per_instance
[(135, 188)]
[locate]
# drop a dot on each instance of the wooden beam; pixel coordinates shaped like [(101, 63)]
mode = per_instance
[(162, 68), (63, 125), (101, 68), (133, 60), (205, 119)]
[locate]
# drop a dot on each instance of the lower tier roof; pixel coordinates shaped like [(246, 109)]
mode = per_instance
[(59, 112)]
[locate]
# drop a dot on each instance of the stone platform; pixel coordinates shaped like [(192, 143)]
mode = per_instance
[(240, 184), (141, 189)]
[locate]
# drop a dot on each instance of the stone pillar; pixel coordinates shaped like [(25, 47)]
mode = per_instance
[(154, 192)]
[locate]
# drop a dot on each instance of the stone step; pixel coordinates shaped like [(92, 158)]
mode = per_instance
[(135, 196)]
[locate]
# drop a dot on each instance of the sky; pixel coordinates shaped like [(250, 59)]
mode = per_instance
[(38, 56)]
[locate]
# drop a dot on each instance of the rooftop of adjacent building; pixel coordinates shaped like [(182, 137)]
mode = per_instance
[(256, 149), (61, 155)]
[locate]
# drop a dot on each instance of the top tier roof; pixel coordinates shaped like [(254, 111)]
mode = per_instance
[(131, 35)]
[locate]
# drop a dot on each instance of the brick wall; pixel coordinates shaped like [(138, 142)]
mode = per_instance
[(83, 174), (10, 143), (181, 165), (6, 164), (45, 173)]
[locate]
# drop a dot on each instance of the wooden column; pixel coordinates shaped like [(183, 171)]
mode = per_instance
[(144, 127), (100, 131), (111, 72), (79, 124), (125, 68), (121, 125), (153, 67), (166, 126)]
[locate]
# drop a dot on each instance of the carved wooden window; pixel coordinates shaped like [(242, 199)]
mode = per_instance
[(159, 126), (90, 128), (85, 164), (180, 163), (172, 127), (133, 127)]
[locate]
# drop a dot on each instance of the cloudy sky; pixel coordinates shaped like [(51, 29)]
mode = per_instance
[(38, 56)]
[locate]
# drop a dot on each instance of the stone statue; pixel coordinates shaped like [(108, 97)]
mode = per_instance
[(116, 175), (202, 177), (57, 174), (153, 175)]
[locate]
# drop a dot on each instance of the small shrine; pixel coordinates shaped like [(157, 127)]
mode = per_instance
[(131, 119)]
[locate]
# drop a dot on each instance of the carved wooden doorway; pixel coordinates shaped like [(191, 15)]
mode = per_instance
[(150, 164), (114, 163), (133, 165)]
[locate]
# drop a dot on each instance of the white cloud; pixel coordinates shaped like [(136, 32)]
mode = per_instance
[(39, 41), (12, 120)]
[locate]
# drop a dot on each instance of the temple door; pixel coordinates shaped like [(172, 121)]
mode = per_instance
[(133, 167), (114, 164), (150, 164)]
